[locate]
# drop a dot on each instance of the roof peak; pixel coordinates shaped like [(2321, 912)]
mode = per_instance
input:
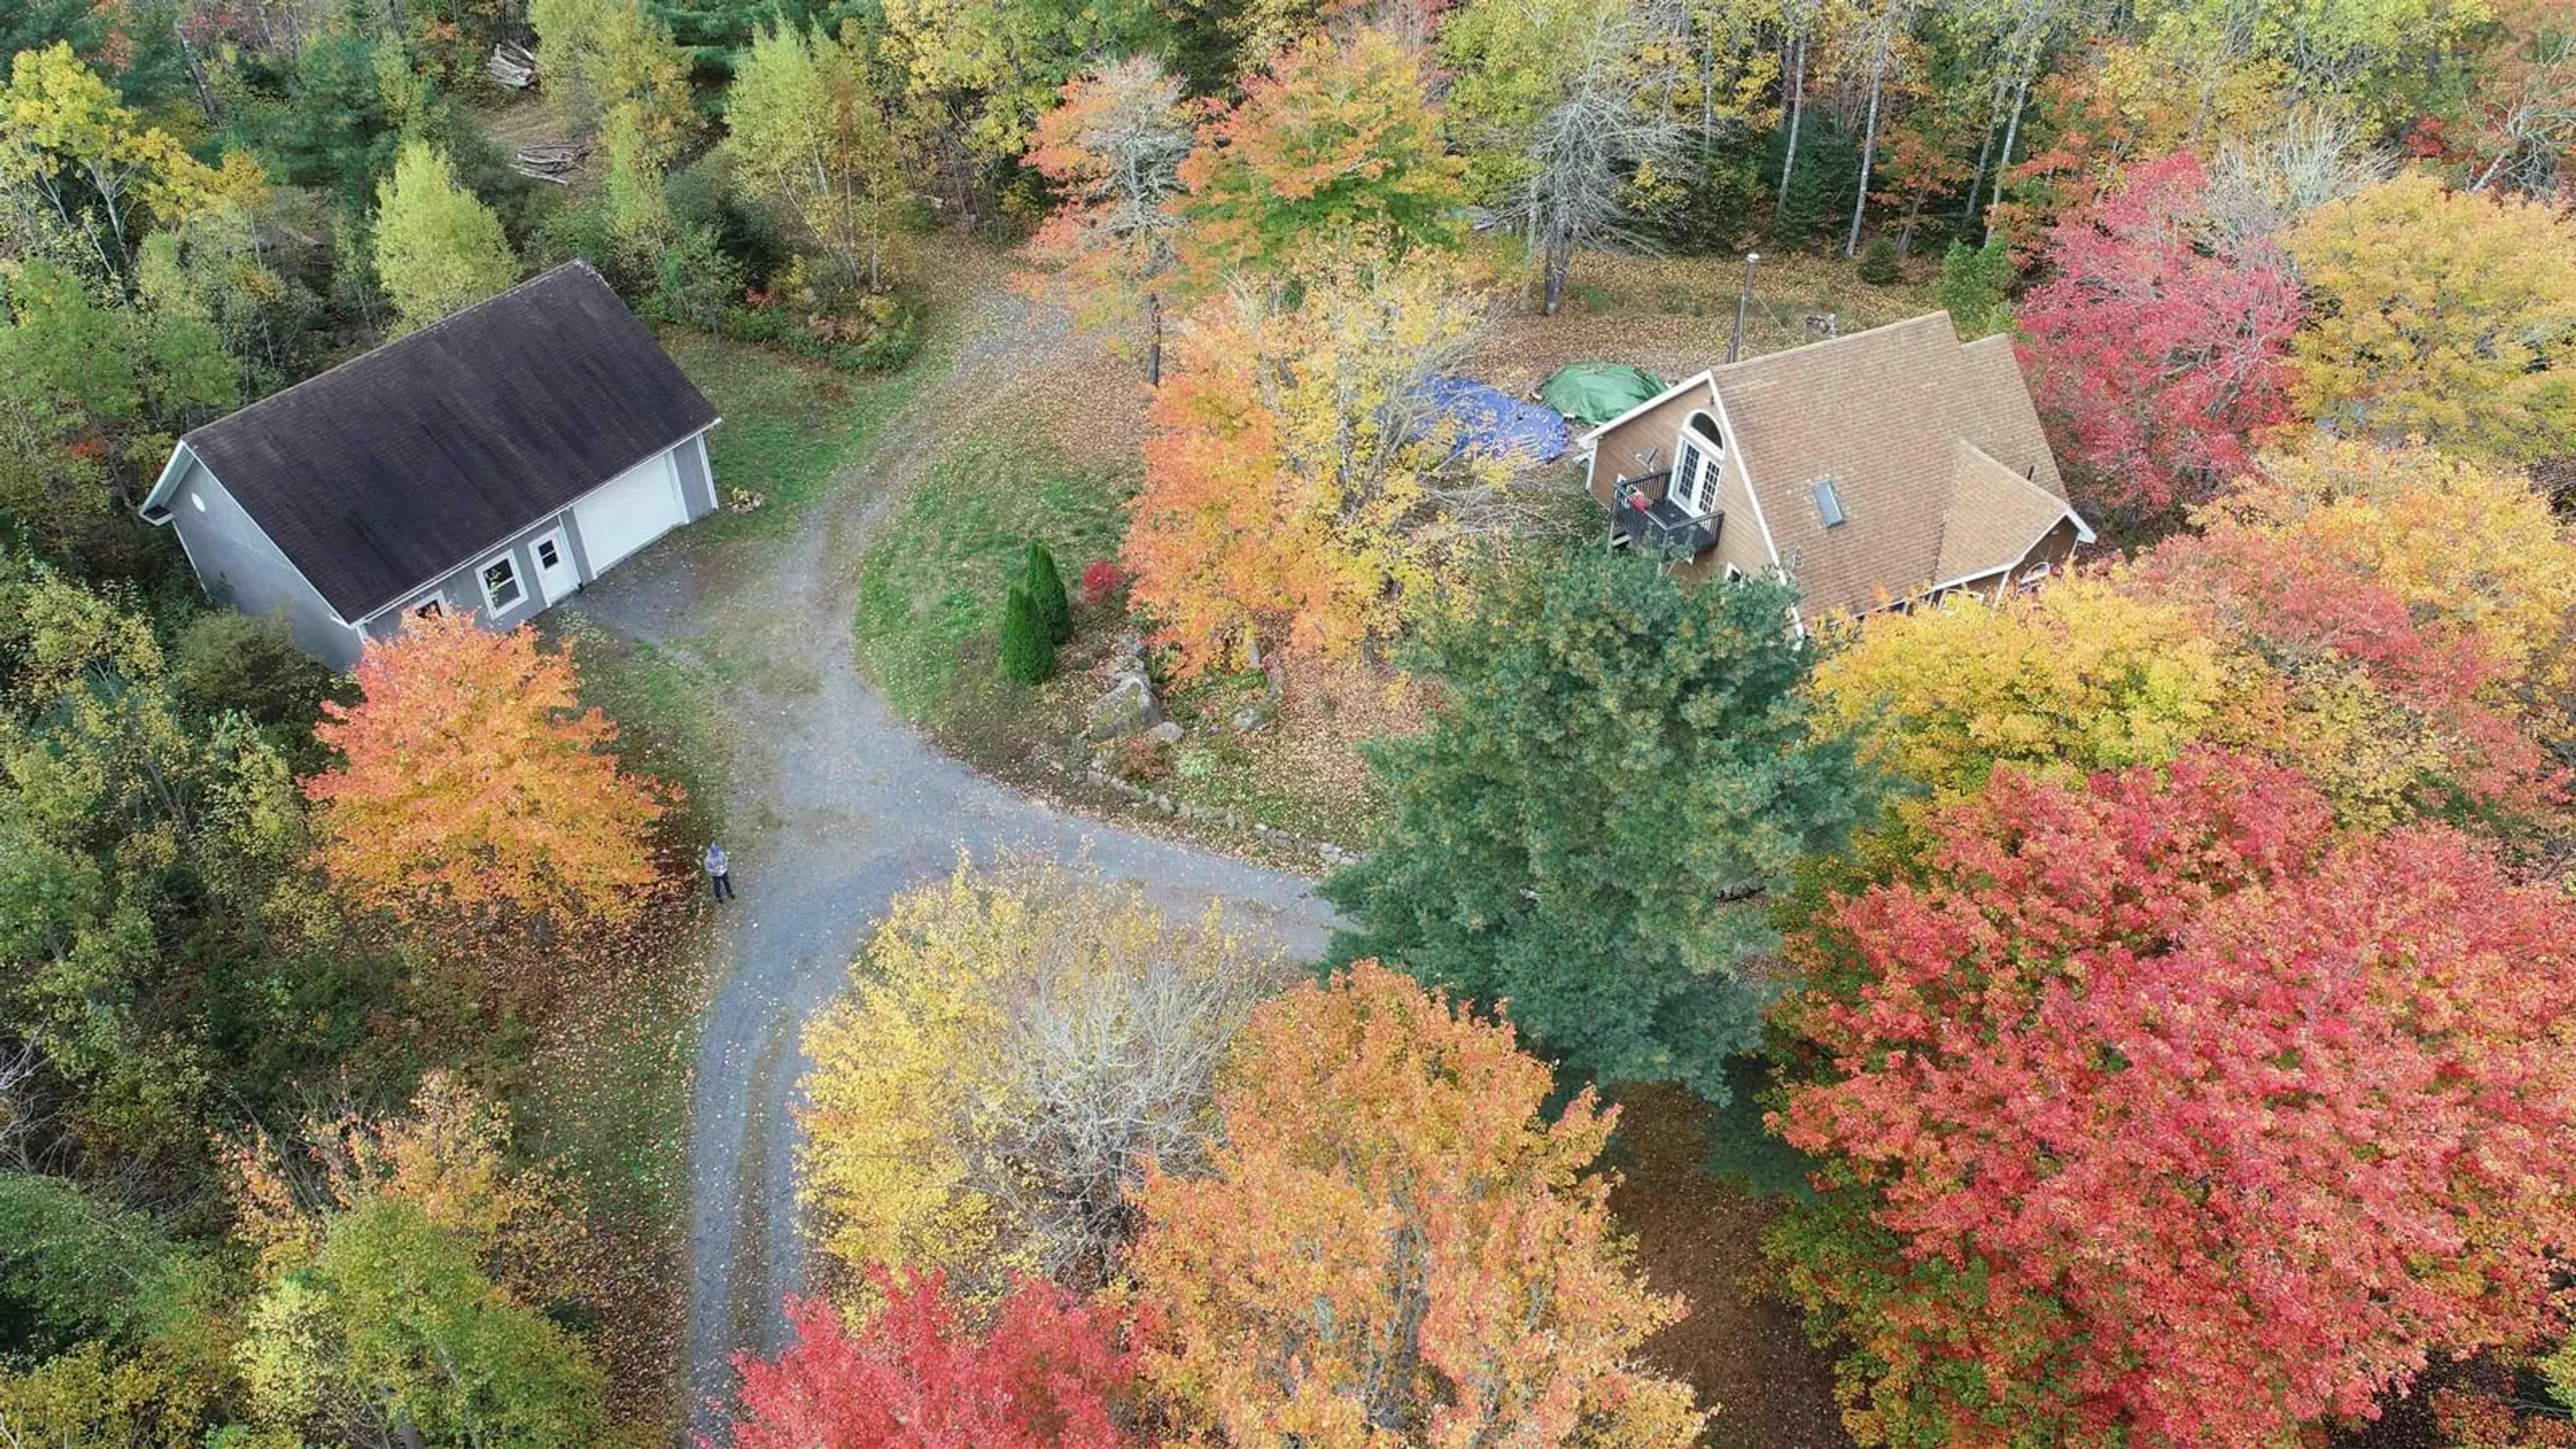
[(1922, 322)]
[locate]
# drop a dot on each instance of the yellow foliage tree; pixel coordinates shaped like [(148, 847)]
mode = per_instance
[(92, 165), (2452, 539), (2398, 625), (404, 1268), (448, 1158), (811, 140), (996, 65), (2444, 315), (599, 57), (1014, 1042), (438, 247), (2421, 611), (2079, 678), (2228, 640)]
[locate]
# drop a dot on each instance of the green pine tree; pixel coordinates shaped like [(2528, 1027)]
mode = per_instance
[(1879, 264), (1972, 287), (1045, 583), (1028, 656), (1624, 772)]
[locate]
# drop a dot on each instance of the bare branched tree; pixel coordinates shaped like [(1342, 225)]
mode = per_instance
[(2260, 188), (1111, 1069), (1586, 148), (1114, 150), (2530, 120), (1024, 1037)]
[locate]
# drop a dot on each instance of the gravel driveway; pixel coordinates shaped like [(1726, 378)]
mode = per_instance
[(836, 806)]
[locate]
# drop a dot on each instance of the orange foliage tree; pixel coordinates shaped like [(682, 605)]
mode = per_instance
[(474, 788), (1394, 1245), (1339, 136), (1296, 491), (1219, 549)]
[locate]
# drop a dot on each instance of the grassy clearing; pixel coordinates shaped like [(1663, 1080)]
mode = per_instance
[(930, 589), (1674, 314), (789, 423)]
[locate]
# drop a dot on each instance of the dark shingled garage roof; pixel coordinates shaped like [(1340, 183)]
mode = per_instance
[(394, 469)]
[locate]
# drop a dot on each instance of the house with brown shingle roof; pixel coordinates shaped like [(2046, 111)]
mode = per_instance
[(1888, 467)]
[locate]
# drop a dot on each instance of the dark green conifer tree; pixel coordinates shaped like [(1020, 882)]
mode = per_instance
[(1625, 774), (1028, 657), (1045, 583)]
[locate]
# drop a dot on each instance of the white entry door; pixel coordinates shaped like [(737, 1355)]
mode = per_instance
[(555, 575)]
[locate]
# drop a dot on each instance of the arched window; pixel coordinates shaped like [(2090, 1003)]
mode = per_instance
[(1696, 461)]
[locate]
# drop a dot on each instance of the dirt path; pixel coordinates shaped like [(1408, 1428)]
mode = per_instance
[(836, 806)]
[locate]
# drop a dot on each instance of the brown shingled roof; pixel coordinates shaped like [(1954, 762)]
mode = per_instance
[(1995, 516), (1885, 414)]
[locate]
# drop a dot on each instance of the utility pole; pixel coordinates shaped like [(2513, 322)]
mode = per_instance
[(1743, 304)]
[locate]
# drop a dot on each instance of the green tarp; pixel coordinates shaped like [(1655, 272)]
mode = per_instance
[(1592, 393)]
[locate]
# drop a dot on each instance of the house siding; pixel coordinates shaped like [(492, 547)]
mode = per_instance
[(243, 569), (463, 587), (1647, 443), (2054, 549), (697, 478)]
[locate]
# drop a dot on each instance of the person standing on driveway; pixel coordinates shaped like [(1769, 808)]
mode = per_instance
[(719, 871)]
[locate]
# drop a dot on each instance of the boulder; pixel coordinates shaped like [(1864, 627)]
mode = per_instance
[(1169, 732), (1129, 707), (1249, 718)]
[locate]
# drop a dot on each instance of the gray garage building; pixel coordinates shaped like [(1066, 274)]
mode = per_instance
[(492, 462)]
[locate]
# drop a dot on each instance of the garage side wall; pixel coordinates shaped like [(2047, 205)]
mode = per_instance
[(242, 568), (684, 462), (697, 477)]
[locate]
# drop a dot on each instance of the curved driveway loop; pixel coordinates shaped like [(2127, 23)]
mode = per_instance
[(836, 806)]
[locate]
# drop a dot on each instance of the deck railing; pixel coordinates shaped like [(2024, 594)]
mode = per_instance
[(1643, 509)]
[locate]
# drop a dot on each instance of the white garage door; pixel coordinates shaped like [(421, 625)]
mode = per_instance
[(630, 511)]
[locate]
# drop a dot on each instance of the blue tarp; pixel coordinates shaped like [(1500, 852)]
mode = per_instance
[(1491, 424)]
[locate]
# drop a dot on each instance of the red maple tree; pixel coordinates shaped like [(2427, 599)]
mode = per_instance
[(2153, 358), (1050, 1374), (2428, 737), (2159, 1113)]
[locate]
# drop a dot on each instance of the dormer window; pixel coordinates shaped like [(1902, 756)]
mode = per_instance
[(1829, 504)]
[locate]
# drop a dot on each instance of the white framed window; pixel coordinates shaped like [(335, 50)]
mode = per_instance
[(429, 608), (501, 588), (1698, 458), (1733, 573), (548, 555)]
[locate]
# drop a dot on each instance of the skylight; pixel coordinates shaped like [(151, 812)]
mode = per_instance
[(1829, 504)]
